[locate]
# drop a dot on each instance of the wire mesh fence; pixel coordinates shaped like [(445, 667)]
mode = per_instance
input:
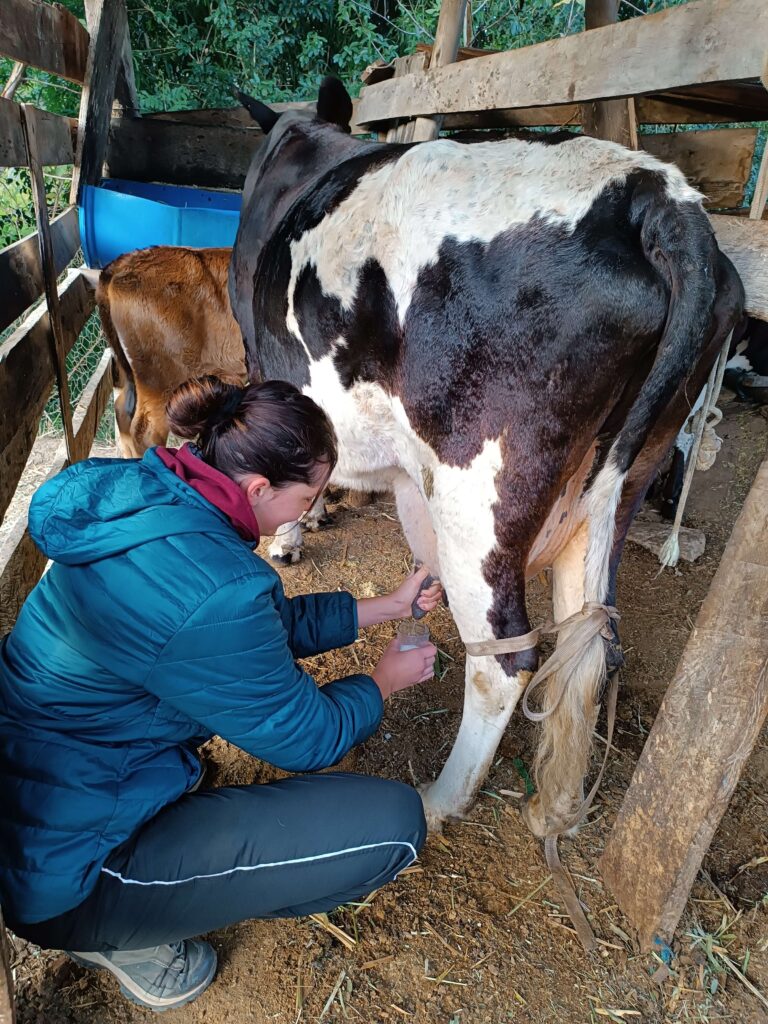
[(82, 361)]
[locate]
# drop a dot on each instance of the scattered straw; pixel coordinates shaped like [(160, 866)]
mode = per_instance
[(530, 896), (334, 993), (334, 930)]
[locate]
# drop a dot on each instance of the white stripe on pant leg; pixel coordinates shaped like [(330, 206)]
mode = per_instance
[(257, 867)]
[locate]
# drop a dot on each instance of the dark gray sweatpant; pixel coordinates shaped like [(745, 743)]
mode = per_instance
[(299, 846)]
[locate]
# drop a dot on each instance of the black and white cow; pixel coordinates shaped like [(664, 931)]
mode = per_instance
[(508, 335)]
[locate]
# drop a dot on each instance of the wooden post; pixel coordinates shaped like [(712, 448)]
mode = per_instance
[(105, 53), (613, 120), (761, 189), (449, 26), (706, 727), (126, 102), (47, 264)]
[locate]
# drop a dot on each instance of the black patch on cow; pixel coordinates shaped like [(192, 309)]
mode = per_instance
[(370, 329)]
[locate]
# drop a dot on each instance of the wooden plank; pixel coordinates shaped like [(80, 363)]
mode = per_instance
[(417, 62), (705, 729), (745, 242), (447, 36), (613, 120), (21, 276), (717, 162), (21, 562), (702, 41), (760, 197), (54, 133), (126, 102), (27, 374), (32, 128), (7, 1013), (104, 57), (148, 149), (45, 36)]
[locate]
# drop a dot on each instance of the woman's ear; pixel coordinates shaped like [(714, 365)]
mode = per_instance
[(255, 487)]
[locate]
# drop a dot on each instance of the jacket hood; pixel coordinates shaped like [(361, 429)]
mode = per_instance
[(101, 507)]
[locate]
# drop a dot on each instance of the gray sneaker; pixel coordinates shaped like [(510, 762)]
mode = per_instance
[(162, 977)]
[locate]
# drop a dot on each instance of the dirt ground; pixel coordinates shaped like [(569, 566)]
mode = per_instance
[(476, 933)]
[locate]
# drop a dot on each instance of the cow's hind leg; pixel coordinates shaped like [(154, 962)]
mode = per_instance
[(581, 574), (566, 735)]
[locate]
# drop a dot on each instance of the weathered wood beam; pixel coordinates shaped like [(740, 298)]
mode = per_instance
[(104, 57), (46, 36), (149, 149), (718, 162), (613, 120), (705, 729), (126, 103), (745, 243), (21, 562), (760, 198), (55, 137), (447, 36), (33, 128), (21, 276), (27, 373), (699, 42)]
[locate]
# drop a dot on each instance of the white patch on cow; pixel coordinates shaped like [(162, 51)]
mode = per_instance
[(400, 213), (739, 362)]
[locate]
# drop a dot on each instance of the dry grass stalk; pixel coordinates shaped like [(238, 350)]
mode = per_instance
[(370, 964), (334, 993), (451, 949), (334, 930), (530, 896)]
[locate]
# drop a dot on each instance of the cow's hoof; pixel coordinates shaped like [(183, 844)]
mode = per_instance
[(435, 814), (321, 523), (286, 557)]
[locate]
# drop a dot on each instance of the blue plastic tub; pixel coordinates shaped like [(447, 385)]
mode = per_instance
[(118, 216)]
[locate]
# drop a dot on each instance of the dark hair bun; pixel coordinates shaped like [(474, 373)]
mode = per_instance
[(200, 404)]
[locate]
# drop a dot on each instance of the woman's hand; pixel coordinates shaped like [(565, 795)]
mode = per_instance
[(397, 605), (397, 670)]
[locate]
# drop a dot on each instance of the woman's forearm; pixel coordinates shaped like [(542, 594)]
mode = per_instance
[(371, 610)]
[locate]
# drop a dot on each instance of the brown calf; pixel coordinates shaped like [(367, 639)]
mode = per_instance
[(166, 314)]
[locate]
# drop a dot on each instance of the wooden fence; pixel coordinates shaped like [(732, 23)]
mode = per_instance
[(33, 357)]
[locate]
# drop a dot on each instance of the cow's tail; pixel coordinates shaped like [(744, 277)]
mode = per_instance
[(678, 242)]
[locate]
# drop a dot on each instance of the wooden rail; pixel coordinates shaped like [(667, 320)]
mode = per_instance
[(21, 274), (54, 132), (27, 373), (21, 562), (44, 36), (700, 42)]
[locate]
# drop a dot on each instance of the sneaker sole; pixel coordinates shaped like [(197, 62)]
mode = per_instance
[(136, 995)]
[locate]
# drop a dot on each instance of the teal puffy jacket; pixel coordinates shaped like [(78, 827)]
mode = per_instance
[(155, 628)]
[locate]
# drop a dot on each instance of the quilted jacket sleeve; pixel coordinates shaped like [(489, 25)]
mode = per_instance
[(319, 622), (230, 668)]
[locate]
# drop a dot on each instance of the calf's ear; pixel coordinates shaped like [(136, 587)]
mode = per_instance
[(263, 115), (334, 104)]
